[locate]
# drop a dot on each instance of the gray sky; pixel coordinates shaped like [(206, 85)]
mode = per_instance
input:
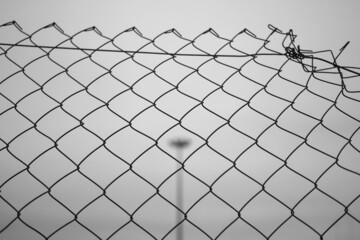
[(320, 25)]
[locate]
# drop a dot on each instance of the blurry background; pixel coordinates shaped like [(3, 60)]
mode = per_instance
[(320, 25)]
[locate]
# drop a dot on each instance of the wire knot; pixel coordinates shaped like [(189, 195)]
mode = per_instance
[(294, 53)]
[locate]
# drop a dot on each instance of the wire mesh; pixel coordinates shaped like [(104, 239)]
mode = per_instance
[(86, 121)]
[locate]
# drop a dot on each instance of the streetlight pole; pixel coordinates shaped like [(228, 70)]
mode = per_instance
[(179, 144)]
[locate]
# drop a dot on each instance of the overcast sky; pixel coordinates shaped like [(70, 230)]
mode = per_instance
[(320, 25)]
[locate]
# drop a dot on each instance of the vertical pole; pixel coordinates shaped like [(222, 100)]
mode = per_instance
[(179, 144), (179, 198)]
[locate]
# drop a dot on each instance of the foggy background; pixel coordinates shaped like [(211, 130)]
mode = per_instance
[(319, 25)]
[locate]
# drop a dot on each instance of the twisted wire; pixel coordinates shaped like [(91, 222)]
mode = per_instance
[(256, 105)]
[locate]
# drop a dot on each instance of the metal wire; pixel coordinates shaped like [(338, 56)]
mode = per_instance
[(271, 98)]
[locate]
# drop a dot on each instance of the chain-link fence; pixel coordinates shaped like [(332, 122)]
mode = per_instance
[(171, 138)]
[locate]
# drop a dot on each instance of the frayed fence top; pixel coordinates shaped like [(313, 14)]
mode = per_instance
[(260, 137), (172, 43)]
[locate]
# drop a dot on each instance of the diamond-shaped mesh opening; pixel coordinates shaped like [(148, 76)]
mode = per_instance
[(106, 87), (152, 87), (134, 105), (258, 163), (157, 217), (207, 165), (265, 213), (149, 60), (50, 218), (283, 88), (337, 183), (194, 121), (64, 59), (324, 89), (173, 138), (251, 122), (9, 166), (173, 72), (12, 124), (78, 144), (153, 123), (56, 164), (269, 105), (193, 63), (223, 104), (22, 147), (103, 217), (230, 150), (36, 106), (103, 167), (258, 73), (288, 186), (108, 59), (137, 191), (155, 166), (21, 190), (333, 144), (216, 72), (285, 145), (129, 72), (23, 57), (10, 87), (61, 87), (176, 104), (297, 122), (86, 71), (239, 85), (321, 217), (36, 73), (219, 214), (110, 122), (203, 87), (245, 187), (306, 156), (179, 132), (134, 142), (57, 123), (8, 67), (295, 73), (75, 192), (193, 190), (81, 104), (312, 105), (333, 119)]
